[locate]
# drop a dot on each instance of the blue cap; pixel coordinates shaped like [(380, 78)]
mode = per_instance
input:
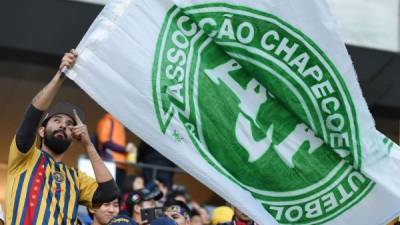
[(144, 194), (163, 221), (121, 220)]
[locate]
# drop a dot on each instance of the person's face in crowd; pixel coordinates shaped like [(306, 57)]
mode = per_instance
[(241, 216), (178, 218), (196, 220), (138, 183), (205, 218), (56, 135), (105, 213)]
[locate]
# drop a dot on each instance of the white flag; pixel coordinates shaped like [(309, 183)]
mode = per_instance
[(256, 99)]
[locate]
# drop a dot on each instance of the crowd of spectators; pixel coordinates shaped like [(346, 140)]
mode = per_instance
[(150, 197), (144, 203)]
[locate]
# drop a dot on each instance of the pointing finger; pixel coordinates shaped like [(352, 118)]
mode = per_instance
[(77, 119)]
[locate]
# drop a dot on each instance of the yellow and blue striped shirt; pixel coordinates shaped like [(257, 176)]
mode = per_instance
[(42, 191)]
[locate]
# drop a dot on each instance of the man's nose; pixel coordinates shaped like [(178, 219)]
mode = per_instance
[(63, 126), (112, 209)]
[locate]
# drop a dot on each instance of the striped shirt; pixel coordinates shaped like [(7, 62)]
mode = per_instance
[(42, 191)]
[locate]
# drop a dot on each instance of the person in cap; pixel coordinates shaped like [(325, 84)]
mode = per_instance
[(139, 200), (104, 213), (121, 220), (178, 211), (131, 183), (178, 193), (41, 189)]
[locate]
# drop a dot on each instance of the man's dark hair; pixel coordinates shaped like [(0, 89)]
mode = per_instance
[(89, 213), (96, 206)]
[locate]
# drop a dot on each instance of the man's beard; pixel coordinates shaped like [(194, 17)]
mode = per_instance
[(56, 145)]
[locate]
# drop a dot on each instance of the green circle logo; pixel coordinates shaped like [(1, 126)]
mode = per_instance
[(264, 106)]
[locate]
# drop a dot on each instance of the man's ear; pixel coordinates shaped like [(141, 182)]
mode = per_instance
[(41, 131), (92, 211)]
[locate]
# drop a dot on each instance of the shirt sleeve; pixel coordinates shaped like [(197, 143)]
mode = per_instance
[(18, 159), (87, 187), (26, 132)]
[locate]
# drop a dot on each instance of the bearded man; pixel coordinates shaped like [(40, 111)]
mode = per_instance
[(41, 188)]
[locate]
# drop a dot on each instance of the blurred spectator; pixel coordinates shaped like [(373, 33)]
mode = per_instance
[(121, 220), (141, 199), (1, 216), (195, 218), (241, 219), (149, 155), (103, 214), (205, 218), (222, 214), (164, 189), (178, 193), (111, 143), (179, 212), (132, 183)]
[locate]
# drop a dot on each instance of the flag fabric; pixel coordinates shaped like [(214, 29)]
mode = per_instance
[(256, 99), (369, 24)]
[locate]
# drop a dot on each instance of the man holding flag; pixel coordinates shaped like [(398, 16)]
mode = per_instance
[(41, 188)]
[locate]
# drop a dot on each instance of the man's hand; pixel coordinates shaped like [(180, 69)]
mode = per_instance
[(80, 132), (68, 60)]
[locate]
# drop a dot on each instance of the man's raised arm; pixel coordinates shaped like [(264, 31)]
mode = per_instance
[(26, 132)]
